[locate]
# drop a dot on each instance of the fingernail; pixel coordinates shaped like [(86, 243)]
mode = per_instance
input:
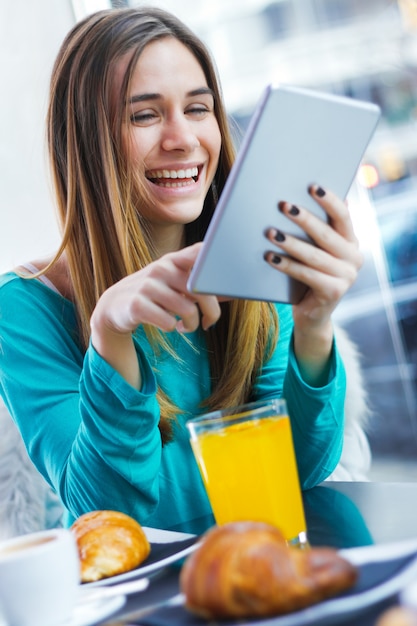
[(294, 210), (279, 236), (275, 259), (209, 326), (320, 192)]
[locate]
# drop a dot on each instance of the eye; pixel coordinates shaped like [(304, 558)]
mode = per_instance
[(200, 107), (198, 111), (143, 118)]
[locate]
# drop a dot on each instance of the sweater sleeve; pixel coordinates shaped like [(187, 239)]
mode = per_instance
[(316, 413), (86, 429)]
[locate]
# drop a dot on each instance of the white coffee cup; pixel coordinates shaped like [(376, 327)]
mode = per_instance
[(39, 578)]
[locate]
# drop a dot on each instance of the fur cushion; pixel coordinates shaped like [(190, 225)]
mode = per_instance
[(28, 504)]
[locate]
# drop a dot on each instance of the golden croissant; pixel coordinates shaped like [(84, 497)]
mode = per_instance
[(109, 543), (246, 569)]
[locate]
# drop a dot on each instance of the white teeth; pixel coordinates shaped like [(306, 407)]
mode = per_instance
[(188, 173)]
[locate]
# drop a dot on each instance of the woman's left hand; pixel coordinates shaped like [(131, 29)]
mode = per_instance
[(328, 268), (331, 266)]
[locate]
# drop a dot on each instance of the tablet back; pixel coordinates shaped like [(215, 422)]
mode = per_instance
[(296, 137)]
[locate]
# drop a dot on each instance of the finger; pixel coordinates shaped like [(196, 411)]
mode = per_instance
[(188, 324), (337, 210), (210, 310), (146, 312), (324, 235), (187, 307), (330, 255), (184, 310), (166, 287), (184, 259), (207, 304), (330, 284), (161, 304), (311, 256)]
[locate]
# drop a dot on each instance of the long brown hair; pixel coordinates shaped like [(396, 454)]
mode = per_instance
[(99, 198)]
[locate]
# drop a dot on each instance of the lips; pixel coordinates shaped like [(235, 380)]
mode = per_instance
[(173, 178)]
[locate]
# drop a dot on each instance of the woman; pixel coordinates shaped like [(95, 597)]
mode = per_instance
[(104, 352)]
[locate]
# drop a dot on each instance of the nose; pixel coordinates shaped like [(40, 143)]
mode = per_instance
[(179, 134)]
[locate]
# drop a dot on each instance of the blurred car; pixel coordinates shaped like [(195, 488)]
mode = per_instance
[(380, 315)]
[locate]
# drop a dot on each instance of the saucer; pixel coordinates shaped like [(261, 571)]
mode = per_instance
[(89, 613)]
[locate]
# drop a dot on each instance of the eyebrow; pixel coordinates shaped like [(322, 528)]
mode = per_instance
[(201, 91)]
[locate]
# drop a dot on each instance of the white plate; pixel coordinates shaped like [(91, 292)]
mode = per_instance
[(352, 604), (167, 541), (89, 613), (408, 596)]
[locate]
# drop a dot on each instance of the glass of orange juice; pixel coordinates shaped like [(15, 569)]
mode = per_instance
[(247, 463)]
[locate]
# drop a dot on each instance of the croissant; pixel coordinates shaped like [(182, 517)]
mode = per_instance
[(246, 569), (109, 543)]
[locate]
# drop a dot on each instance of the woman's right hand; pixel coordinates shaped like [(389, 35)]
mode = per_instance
[(155, 295)]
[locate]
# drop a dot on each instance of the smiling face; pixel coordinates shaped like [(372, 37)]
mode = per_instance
[(172, 134)]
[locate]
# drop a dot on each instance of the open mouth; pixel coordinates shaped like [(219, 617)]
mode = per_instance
[(173, 178)]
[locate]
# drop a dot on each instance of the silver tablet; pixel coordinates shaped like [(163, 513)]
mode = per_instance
[(296, 137)]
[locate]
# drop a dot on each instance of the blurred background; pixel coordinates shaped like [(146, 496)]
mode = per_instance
[(364, 49)]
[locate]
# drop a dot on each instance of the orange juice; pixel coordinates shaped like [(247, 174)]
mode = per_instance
[(250, 473)]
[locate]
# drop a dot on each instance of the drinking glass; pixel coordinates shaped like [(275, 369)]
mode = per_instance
[(247, 462)]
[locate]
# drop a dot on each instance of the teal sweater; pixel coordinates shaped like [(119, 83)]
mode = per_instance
[(95, 438)]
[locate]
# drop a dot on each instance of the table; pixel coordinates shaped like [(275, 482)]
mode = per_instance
[(339, 514)]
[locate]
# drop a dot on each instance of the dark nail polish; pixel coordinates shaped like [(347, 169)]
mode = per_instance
[(320, 192), (294, 210), (279, 236), (275, 259)]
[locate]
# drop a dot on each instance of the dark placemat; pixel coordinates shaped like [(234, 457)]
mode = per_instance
[(371, 576)]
